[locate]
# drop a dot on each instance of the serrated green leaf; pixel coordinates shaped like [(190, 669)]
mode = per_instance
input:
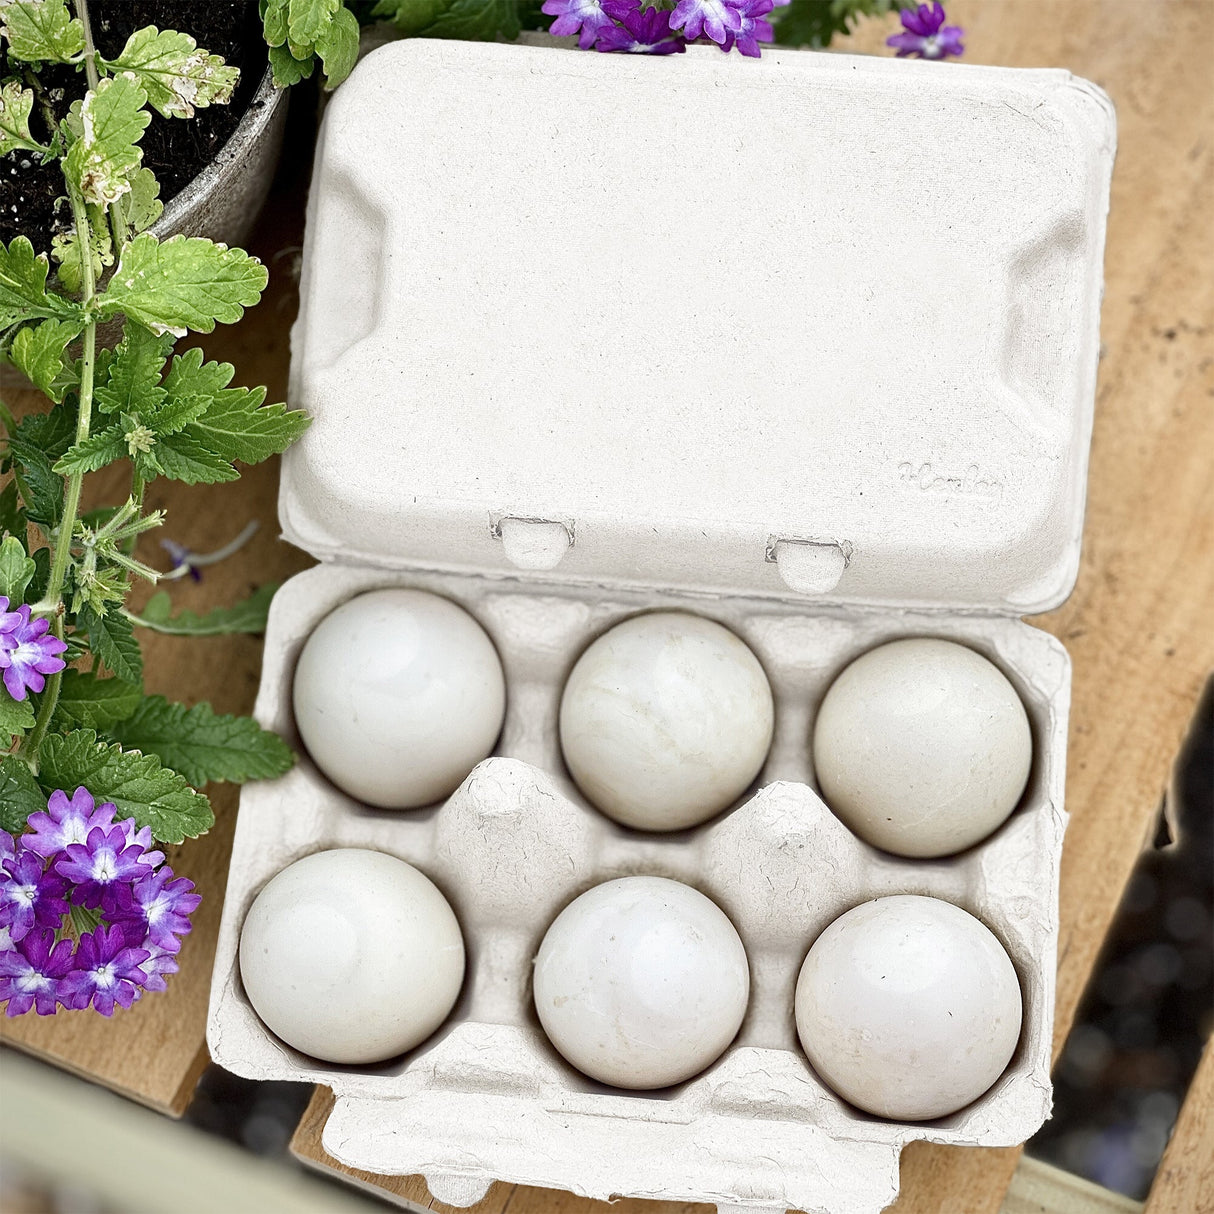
[(96, 451), (138, 785), (307, 19), (176, 74), (20, 795), (16, 717), (40, 488), (287, 69), (101, 162), (23, 294), (238, 427), (189, 375), (176, 413), (16, 571), (274, 21), (93, 703), (140, 206), (133, 384), (248, 616), (182, 457), (51, 432), (184, 283), (203, 745), (38, 352), (112, 640), (16, 106), (41, 31), (337, 47)]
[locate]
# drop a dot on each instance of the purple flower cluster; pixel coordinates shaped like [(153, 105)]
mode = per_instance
[(90, 915), (624, 25), (27, 653), (925, 35)]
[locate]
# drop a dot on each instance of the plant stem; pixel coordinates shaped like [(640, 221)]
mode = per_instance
[(90, 51)]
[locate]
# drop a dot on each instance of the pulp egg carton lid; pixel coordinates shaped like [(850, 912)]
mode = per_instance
[(813, 324)]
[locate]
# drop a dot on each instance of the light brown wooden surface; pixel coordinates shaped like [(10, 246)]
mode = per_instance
[(1184, 1183), (1138, 626)]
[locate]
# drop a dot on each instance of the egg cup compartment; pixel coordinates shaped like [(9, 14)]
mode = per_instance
[(488, 1097)]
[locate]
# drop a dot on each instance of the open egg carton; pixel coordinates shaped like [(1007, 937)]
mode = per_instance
[(806, 346)]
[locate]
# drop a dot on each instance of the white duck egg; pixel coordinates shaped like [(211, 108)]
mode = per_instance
[(666, 720), (398, 695), (641, 982), (908, 1007), (922, 747), (351, 956)]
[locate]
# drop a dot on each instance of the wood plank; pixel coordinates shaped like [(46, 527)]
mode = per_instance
[(1184, 1183), (155, 1052), (1137, 625)]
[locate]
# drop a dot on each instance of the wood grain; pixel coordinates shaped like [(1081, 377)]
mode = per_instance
[(1138, 624), (156, 1051), (1184, 1183)]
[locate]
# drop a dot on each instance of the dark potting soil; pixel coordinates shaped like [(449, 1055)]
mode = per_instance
[(175, 149)]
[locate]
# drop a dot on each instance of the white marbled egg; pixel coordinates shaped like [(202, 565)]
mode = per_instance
[(398, 695), (351, 956), (641, 982), (666, 720), (922, 747), (908, 1007)]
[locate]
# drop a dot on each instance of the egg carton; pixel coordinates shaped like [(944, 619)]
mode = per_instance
[(488, 1097)]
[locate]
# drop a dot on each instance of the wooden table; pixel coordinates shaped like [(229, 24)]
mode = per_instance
[(1140, 625)]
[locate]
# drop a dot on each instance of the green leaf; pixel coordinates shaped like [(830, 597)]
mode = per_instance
[(41, 31), (16, 571), (190, 376), (138, 785), (133, 385), (475, 20), (16, 716), (40, 488), (203, 745), (16, 106), (337, 47), (816, 22), (94, 703), (287, 69), (23, 294), (20, 795), (12, 516), (184, 283), (38, 352), (307, 19), (51, 432), (238, 427), (248, 616), (140, 206), (112, 640), (101, 162), (274, 21), (96, 451), (182, 457), (177, 76)]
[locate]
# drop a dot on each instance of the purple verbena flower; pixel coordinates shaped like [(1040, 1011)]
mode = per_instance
[(182, 558), (715, 18), (27, 653), (67, 820), (159, 906), (141, 838), (104, 858), (644, 32), (574, 15), (753, 29), (158, 963), (106, 972), (925, 34), (29, 896), (32, 973)]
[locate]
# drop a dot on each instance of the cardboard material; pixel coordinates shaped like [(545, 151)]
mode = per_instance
[(861, 265)]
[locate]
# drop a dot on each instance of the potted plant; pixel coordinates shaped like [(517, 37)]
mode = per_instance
[(94, 774)]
